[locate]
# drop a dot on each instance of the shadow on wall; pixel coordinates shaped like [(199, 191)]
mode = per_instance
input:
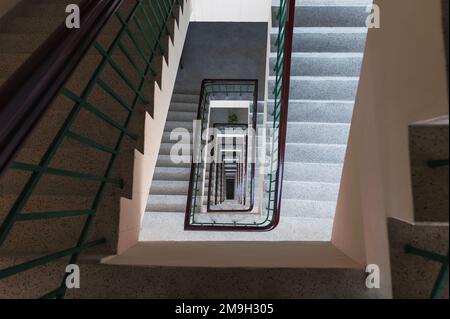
[(223, 50)]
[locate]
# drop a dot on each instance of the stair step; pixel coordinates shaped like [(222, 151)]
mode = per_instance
[(166, 203), (308, 208), (325, 39), (166, 161), (317, 111), (171, 125), (310, 190), (327, 14), (172, 173), (312, 172), (181, 116), (315, 153), (317, 133), (163, 226), (191, 99), (166, 187), (322, 64), (320, 88)]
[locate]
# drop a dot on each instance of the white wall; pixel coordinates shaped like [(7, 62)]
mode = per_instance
[(132, 210), (231, 10), (403, 80)]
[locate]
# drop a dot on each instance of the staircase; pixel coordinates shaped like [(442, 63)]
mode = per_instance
[(93, 130), (170, 181), (328, 44)]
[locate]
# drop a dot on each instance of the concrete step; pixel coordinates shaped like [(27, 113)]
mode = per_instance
[(166, 203), (325, 39), (317, 133), (327, 14), (312, 172), (161, 226), (165, 187), (181, 116), (166, 148), (320, 88), (172, 173), (183, 106), (308, 208), (165, 161), (322, 64), (317, 111), (185, 98), (315, 153), (310, 190), (171, 125)]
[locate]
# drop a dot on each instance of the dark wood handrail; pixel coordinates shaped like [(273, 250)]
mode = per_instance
[(29, 92), (284, 111)]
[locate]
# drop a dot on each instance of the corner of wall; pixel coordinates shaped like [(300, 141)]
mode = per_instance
[(132, 210)]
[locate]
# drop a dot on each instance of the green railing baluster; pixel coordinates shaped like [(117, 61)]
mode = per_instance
[(154, 14), (90, 142), (50, 215), (11, 271), (63, 172), (152, 30), (118, 70), (81, 102), (69, 94)]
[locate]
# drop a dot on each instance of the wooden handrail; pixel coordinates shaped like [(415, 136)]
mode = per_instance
[(29, 92)]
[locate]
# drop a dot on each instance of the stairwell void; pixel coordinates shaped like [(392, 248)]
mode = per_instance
[(327, 51)]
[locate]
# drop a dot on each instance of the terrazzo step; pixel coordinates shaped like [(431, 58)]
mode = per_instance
[(181, 116), (162, 226), (315, 153), (183, 107), (317, 133), (172, 173), (317, 111), (165, 187), (166, 149), (320, 88), (166, 203), (335, 39), (327, 13), (312, 172), (308, 208), (191, 99), (322, 64), (309, 190), (171, 125), (166, 161)]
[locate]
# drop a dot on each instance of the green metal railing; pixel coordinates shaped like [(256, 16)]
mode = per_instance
[(144, 27), (285, 17)]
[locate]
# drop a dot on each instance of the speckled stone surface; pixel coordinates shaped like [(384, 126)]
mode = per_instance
[(414, 276), (430, 186), (105, 281)]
